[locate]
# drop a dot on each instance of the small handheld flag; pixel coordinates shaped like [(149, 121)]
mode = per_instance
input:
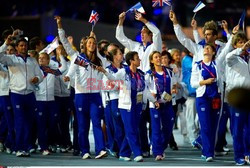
[(242, 20), (47, 69), (94, 17), (83, 61), (137, 7), (161, 3), (198, 7), (53, 45)]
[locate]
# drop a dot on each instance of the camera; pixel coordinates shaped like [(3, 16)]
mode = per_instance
[(19, 33), (219, 23)]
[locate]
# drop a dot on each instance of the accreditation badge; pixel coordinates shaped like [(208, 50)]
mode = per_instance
[(139, 97), (165, 96)]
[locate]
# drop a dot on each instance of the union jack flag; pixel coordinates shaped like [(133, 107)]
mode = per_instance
[(81, 60), (94, 17), (47, 69), (161, 3)]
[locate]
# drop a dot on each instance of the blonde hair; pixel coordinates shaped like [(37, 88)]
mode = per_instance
[(173, 51)]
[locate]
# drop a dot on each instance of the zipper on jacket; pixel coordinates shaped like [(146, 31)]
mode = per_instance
[(46, 89)]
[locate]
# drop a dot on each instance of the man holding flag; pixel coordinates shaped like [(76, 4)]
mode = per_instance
[(151, 41)]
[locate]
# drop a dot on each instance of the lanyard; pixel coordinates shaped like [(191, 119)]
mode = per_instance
[(137, 79), (204, 66), (156, 81)]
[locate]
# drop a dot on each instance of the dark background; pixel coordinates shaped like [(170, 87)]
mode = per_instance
[(27, 13)]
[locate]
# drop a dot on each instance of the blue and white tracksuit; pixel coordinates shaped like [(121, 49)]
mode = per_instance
[(6, 112), (224, 113), (208, 117), (113, 120), (131, 96), (143, 53), (237, 68), (162, 119), (63, 101), (47, 112), (21, 71), (88, 100)]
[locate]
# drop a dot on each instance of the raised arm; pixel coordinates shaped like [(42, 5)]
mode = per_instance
[(196, 34), (183, 39), (232, 57), (224, 25), (228, 47), (157, 40), (120, 36), (68, 47)]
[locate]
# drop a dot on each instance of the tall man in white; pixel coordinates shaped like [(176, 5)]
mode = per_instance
[(151, 41)]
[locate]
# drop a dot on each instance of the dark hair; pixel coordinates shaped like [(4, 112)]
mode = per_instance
[(152, 67), (108, 55), (130, 56), (100, 48), (6, 33), (163, 53), (93, 58), (12, 45), (84, 38), (35, 41), (213, 48), (148, 31), (112, 53), (21, 39), (186, 51)]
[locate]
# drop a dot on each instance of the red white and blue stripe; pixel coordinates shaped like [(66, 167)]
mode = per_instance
[(161, 3), (94, 17)]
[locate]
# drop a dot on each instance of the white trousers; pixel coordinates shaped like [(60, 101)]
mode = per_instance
[(191, 119)]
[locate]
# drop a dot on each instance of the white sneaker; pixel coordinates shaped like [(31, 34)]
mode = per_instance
[(220, 153), (32, 150), (1, 147), (159, 158), (124, 158), (20, 154), (86, 156), (209, 159), (8, 150), (226, 149), (247, 159), (101, 155), (138, 159), (45, 153)]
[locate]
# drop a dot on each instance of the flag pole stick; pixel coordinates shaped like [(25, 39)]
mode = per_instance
[(171, 7), (92, 28), (243, 27), (127, 11), (12, 28), (194, 16)]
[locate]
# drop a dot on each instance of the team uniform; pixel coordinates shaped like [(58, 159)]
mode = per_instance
[(143, 53), (237, 68), (132, 95), (162, 119), (21, 71), (205, 96)]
